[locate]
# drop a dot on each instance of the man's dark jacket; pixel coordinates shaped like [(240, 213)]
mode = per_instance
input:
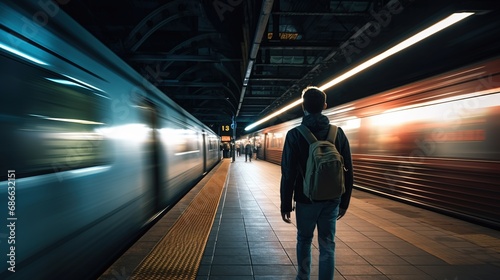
[(295, 153)]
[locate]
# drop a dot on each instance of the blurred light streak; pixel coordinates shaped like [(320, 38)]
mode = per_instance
[(66, 120), (70, 83), (21, 54), (185, 153), (91, 170), (91, 136), (349, 123), (279, 112), (83, 83), (448, 21), (129, 132), (343, 110)]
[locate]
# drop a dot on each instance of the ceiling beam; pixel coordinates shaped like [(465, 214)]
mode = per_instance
[(281, 13), (179, 57), (274, 79), (158, 18), (261, 97), (177, 83), (298, 47), (285, 64), (203, 97)]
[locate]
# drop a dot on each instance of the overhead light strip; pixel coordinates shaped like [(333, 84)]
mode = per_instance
[(448, 21)]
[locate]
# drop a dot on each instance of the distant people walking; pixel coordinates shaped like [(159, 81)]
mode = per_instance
[(248, 152), (309, 214), (238, 150)]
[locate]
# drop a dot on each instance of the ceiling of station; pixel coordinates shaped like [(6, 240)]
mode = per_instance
[(241, 59)]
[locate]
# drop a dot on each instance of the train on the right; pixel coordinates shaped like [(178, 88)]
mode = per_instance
[(434, 143)]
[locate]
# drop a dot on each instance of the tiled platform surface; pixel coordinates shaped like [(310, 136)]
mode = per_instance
[(377, 239)]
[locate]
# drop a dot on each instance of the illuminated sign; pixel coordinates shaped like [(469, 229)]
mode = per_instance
[(226, 138), (284, 36), (226, 128)]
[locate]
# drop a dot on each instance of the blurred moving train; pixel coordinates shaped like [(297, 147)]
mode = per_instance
[(91, 151), (434, 143)]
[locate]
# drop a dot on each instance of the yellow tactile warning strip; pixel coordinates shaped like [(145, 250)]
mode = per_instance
[(178, 254), (425, 243)]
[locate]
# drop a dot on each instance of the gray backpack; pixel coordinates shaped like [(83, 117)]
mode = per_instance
[(324, 174)]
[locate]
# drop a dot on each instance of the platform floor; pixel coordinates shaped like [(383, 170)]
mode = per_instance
[(378, 238)]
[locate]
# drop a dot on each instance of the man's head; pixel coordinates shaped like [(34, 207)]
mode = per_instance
[(314, 100)]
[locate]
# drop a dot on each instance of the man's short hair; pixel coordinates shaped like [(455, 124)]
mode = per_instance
[(314, 100)]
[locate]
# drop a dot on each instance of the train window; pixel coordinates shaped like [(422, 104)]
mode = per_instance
[(182, 140), (187, 142), (462, 128), (276, 140), (49, 121), (213, 144)]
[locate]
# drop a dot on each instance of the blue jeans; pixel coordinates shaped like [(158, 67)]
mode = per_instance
[(324, 215)]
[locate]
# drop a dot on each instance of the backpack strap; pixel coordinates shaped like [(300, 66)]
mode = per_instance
[(332, 133), (307, 134)]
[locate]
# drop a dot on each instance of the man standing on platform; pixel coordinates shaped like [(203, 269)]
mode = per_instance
[(309, 213), (248, 151)]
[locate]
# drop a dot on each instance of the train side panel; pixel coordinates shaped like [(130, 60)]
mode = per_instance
[(181, 146), (433, 143), (81, 132), (80, 171)]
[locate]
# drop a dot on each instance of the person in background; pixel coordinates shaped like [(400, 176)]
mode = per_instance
[(256, 150), (248, 151), (309, 214), (238, 150)]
